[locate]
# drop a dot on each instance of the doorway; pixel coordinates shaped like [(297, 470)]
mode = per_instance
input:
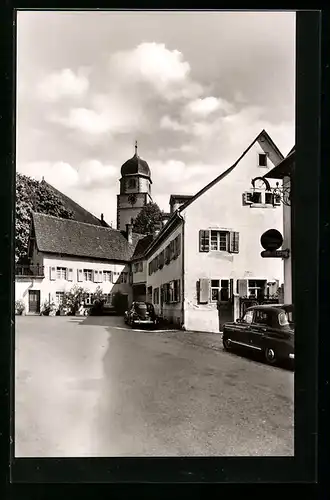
[(34, 301)]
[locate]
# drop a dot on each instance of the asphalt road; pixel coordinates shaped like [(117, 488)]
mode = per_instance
[(92, 387)]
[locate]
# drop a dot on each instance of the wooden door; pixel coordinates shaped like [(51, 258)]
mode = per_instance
[(34, 301)]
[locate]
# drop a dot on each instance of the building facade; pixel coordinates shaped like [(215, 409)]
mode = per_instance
[(218, 261), (64, 253)]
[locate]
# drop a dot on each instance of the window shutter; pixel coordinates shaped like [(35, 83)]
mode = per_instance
[(178, 245), (141, 266), (161, 259), (247, 198), (234, 242), (52, 271), (242, 287), (231, 289), (70, 274), (178, 298), (79, 275), (95, 276), (204, 287), (204, 241)]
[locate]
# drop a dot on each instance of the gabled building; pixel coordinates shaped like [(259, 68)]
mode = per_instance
[(65, 252), (208, 253)]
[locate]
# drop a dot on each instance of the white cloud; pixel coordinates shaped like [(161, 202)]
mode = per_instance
[(57, 173), (206, 106), (64, 83), (168, 123)]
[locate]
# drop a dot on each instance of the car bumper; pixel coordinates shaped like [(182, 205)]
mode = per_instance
[(144, 321), (291, 356)]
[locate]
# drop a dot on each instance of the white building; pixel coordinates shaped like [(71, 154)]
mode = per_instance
[(65, 252), (210, 248)]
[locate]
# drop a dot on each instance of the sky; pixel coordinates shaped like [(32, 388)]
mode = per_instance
[(193, 88)]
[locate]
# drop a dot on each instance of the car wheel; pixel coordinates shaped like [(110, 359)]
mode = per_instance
[(270, 355), (226, 344)]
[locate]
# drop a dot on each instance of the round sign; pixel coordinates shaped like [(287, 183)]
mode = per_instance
[(271, 240)]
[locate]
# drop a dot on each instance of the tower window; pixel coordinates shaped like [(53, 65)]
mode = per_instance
[(131, 183)]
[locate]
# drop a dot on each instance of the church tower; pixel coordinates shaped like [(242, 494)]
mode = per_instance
[(135, 190)]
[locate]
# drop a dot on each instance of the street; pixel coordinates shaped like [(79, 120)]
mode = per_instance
[(90, 386)]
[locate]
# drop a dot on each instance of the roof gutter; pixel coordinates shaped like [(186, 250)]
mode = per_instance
[(182, 292)]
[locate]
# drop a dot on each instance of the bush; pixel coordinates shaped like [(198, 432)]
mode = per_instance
[(73, 299), (19, 307), (48, 308)]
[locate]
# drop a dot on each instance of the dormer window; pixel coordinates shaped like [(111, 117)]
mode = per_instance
[(262, 160)]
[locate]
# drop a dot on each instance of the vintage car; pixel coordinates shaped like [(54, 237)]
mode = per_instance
[(265, 328), (141, 313)]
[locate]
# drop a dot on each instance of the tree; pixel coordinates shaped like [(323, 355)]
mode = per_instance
[(73, 299), (32, 195), (148, 219)]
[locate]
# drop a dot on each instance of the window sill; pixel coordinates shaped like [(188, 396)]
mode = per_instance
[(262, 205)]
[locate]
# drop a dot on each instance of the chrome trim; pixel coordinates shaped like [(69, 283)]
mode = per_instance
[(291, 356), (245, 345)]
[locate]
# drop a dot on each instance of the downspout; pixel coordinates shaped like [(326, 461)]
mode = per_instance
[(182, 271)]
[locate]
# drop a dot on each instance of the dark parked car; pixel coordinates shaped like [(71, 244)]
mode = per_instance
[(141, 313), (265, 328)]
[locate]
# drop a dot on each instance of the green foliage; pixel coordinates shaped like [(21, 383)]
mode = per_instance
[(74, 298), (32, 195), (19, 307), (148, 219)]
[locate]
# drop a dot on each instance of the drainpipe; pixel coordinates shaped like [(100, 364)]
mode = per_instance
[(182, 270)]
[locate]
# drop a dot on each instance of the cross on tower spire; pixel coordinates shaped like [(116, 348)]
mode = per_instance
[(136, 148)]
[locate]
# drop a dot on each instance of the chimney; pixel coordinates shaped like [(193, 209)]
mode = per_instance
[(129, 233), (102, 218)]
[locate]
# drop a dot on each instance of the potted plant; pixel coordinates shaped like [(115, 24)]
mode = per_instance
[(48, 308), (19, 307)]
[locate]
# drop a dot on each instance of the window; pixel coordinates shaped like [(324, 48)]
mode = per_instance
[(161, 260), (262, 160), (61, 273), (204, 241), (220, 290), (107, 276), (89, 299), (123, 278), (59, 298), (248, 317), (262, 318), (149, 269), (140, 267), (131, 183), (269, 197), (88, 275), (115, 276), (219, 240), (108, 298), (256, 288), (283, 319), (167, 255), (256, 197), (149, 294), (156, 295)]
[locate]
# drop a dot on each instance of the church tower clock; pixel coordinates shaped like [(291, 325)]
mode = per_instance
[(135, 190)]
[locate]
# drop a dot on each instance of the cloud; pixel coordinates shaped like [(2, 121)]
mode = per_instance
[(164, 70), (64, 83), (168, 123), (206, 106)]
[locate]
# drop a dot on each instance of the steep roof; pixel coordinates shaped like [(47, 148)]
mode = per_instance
[(79, 213), (142, 246), (284, 168), (70, 237)]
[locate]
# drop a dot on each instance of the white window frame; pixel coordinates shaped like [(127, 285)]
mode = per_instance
[(88, 274), (59, 295), (89, 299), (256, 288), (219, 233), (107, 276), (219, 288), (61, 273)]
